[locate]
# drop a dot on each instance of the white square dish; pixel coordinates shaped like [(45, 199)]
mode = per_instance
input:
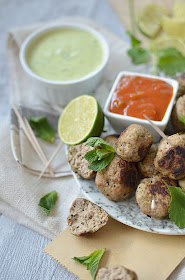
[(120, 122)]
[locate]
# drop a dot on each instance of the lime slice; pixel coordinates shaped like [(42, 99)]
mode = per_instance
[(179, 10), (149, 19), (165, 42), (81, 119), (173, 27)]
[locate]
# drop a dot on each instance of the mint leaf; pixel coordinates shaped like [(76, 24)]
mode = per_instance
[(91, 155), (182, 118), (100, 157), (101, 164), (42, 128), (138, 55), (92, 261), (177, 206), (95, 141), (48, 201), (134, 41), (171, 61)]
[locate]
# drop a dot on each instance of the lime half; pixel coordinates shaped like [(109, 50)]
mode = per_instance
[(179, 9), (165, 42), (82, 118), (173, 27), (149, 19)]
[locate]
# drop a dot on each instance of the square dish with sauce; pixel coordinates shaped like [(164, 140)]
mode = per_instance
[(134, 94)]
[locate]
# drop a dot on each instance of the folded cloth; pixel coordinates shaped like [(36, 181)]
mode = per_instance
[(20, 190)]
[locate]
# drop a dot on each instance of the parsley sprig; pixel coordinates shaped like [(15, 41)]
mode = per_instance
[(177, 205), (101, 156)]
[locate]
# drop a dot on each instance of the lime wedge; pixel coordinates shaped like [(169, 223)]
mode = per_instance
[(165, 42), (82, 118), (149, 19), (173, 27), (179, 10)]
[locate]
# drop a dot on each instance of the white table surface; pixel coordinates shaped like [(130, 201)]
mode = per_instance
[(21, 255)]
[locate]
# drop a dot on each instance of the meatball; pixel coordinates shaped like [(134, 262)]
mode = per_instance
[(182, 184), (86, 217), (133, 143), (170, 160), (178, 111), (111, 140), (181, 81), (146, 166), (116, 273), (117, 180), (77, 161), (153, 196)]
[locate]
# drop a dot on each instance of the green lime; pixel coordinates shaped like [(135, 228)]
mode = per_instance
[(149, 19), (82, 118), (165, 42), (179, 9), (173, 27)]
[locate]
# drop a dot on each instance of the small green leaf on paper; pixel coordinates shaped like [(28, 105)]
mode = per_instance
[(92, 261)]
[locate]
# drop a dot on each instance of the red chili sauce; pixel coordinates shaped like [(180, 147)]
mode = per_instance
[(135, 96)]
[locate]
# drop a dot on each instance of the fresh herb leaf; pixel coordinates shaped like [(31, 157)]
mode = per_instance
[(139, 55), (48, 201), (182, 118), (95, 141), (101, 164), (171, 61), (42, 128), (134, 41), (92, 261), (177, 206), (99, 157), (91, 156)]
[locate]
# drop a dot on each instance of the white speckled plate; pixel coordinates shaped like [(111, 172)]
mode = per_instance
[(127, 212)]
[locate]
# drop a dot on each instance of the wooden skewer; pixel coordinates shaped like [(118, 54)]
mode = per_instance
[(27, 133), (51, 159), (38, 146), (158, 130)]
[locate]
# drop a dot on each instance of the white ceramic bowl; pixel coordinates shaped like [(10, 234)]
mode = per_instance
[(61, 92), (120, 122)]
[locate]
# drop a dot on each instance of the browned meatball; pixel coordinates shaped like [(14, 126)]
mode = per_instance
[(117, 180), (178, 111), (170, 160), (153, 197), (77, 161), (181, 81), (116, 273), (111, 139), (133, 143), (146, 166), (182, 184)]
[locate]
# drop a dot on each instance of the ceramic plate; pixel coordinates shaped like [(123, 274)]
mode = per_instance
[(127, 212)]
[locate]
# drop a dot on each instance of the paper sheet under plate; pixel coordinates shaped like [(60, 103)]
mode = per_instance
[(151, 256)]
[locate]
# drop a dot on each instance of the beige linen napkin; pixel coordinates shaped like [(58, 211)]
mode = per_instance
[(20, 191)]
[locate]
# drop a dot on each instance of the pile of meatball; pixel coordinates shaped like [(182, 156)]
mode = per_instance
[(139, 166)]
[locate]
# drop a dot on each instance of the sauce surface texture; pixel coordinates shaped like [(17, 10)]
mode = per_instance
[(64, 54), (135, 96)]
